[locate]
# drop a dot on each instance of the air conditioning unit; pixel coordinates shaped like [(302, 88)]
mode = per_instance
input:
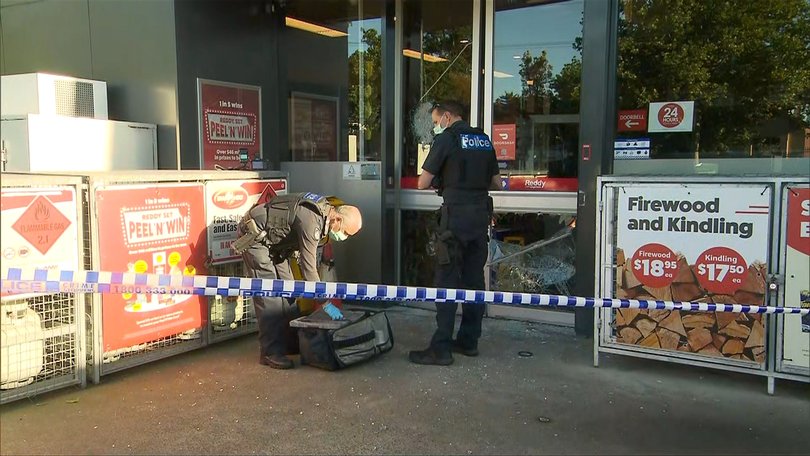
[(48, 94), (42, 143)]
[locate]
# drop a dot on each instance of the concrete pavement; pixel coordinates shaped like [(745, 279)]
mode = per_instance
[(221, 401)]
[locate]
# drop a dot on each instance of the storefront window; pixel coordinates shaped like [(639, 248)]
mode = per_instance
[(365, 77), (334, 74), (418, 263), (437, 58), (533, 253), (711, 80), (437, 65), (537, 64)]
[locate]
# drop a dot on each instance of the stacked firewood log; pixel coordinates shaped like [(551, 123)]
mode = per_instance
[(732, 335)]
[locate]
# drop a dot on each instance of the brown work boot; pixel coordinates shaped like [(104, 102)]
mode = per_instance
[(276, 361), (429, 356)]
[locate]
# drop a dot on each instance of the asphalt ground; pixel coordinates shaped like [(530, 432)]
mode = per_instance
[(219, 400)]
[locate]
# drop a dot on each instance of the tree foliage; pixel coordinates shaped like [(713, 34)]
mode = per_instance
[(450, 79), (743, 62), (371, 53)]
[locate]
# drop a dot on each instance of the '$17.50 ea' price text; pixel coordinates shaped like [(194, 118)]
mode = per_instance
[(717, 272)]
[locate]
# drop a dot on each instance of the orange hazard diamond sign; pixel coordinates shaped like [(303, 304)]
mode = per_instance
[(41, 224)]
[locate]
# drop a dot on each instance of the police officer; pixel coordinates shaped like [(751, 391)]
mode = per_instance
[(270, 234), (462, 165)]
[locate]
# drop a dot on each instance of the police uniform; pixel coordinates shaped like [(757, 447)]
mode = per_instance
[(285, 224), (463, 160)]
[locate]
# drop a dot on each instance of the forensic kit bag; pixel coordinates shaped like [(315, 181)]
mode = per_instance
[(335, 344)]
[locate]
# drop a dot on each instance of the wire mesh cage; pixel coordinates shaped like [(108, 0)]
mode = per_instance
[(229, 316), (41, 335), (131, 329)]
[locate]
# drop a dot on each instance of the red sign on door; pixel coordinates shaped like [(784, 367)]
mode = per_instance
[(503, 140), (633, 120), (230, 123)]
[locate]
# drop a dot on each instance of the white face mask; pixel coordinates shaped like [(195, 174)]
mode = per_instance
[(438, 129)]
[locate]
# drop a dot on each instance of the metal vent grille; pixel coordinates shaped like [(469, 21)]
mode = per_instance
[(74, 98)]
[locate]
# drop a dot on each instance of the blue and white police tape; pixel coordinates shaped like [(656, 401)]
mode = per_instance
[(15, 280)]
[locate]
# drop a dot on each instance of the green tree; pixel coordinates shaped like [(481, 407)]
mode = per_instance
[(448, 79), (566, 88), (507, 108), (535, 81), (371, 84), (743, 62)]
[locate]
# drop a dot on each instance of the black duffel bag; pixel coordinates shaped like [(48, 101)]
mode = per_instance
[(335, 344)]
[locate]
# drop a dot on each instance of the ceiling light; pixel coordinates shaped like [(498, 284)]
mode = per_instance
[(501, 74), (313, 28), (418, 55)]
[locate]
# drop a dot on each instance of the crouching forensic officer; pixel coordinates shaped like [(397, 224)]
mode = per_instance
[(269, 234), (462, 165)]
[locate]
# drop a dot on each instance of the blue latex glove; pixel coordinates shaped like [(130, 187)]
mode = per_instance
[(333, 311)]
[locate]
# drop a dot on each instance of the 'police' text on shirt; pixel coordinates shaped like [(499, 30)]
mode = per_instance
[(475, 142)]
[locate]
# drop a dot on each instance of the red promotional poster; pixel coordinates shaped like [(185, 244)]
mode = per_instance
[(503, 140), (155, 228), (796, 342), (230, 122), (798, 223)]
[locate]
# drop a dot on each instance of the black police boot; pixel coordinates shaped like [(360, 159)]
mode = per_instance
[(276, 361), (458, 347), (429, 356)]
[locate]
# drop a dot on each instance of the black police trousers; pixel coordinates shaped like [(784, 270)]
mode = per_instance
[(273, 313), (468, 251)]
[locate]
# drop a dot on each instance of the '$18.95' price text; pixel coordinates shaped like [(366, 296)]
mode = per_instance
[(654, 265), (655, 268)]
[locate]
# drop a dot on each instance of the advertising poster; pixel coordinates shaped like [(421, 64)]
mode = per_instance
[(154, 228), (696, 243), (313, 127), (230, 120), (226, 202), (40, 230), (504, 141), (796, 350)]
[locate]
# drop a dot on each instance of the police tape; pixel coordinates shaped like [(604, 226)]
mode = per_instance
[(16, 281)]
